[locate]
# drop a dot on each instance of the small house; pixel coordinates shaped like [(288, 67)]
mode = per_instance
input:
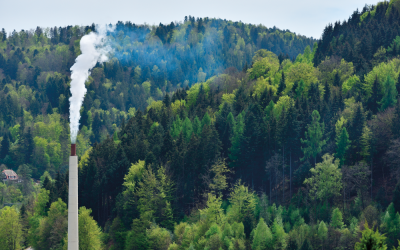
[(9, 175)]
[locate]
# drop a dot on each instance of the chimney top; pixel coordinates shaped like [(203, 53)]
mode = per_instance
[(73, 149)]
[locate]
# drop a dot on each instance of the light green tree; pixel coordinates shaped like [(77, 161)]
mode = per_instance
[(371, 240), (187, 129), (219, 182), (159, 238), (314, 134), (279, 234), (89, 231), (322, 232), (389, 98), (243, 203), (337, 219), (326, 179), (10, 229), (262, 239), (41, 202)]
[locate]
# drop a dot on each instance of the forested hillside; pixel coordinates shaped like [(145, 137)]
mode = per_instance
[(296, 151), (365, 39), (147, 62)]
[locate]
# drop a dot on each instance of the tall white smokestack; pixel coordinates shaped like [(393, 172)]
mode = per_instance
[(73, 229), (94, 49)]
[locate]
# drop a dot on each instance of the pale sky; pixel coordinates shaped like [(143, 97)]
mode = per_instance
[(306, 17)]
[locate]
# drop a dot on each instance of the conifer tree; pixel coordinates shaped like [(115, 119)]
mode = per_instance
[(337, 219), (5, 146), (376, 96), (262, 239), (336, 80), (342, 144), (136, 238), (282, 84), (29, 146), (355, 135), (306, 246)]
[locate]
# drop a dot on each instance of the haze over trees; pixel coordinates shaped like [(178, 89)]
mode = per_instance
[(207, 134)]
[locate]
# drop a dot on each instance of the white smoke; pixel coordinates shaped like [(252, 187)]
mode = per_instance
[(94, 49)]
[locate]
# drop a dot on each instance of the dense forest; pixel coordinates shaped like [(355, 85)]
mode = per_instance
[(147, 63), (207, 134)]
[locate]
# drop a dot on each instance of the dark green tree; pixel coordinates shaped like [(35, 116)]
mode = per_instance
[(136, 238), (355, 133), (306, 246), (376, 96), (336, 80), (342, 145), (29, 146), (396, 198), (5, 146), (282, 84)]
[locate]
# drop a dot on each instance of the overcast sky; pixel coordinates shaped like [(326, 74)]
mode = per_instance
[(306, 17)]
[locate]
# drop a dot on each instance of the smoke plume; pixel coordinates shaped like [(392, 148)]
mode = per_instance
[(94, 49)]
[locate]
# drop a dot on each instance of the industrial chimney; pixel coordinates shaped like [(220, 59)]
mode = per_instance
[(73, 229)]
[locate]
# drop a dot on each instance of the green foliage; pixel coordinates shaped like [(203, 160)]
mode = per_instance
[(342, 144), (265, 64), (337, 219), (371, 240), (314, 135), (390, 93), (158, 238), (279, 235), (262, 238), (11, 235), (325, 181), (89, 231)]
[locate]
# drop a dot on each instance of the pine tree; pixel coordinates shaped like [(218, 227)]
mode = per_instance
[(5, 146), (390, 94), (337, 219), (168, 218), (306, 246), (396, 121), (376, 96), (262, 239), (355, 135), (336, 80), (282, 84), (29, 146), (342, 143), (167, 101)]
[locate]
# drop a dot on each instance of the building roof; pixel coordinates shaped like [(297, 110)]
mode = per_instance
[(10, 174)]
